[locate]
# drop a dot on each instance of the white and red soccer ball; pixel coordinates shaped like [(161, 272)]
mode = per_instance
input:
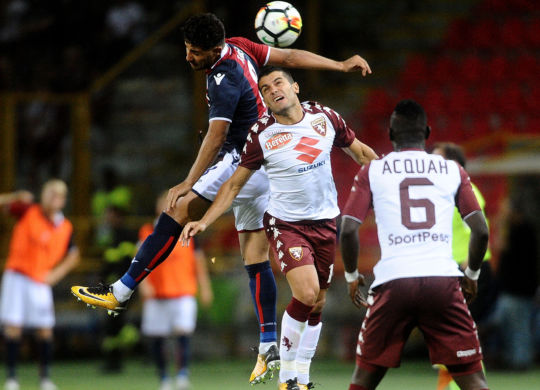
[(278, 24)]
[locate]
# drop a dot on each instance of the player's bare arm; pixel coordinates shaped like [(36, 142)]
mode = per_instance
[(360, 152), (350, 248), (294, 58), (477, 248), (17, 196), (221, 203), (212, 142)]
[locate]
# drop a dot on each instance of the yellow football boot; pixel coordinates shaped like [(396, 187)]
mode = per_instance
[(289, 385), (267, 363), (100, 296)]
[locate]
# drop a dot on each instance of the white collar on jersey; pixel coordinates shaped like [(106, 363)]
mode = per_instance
[(224, 52)]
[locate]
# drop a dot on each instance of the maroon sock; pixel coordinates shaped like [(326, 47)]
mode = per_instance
[(298, 310), (314, 318)]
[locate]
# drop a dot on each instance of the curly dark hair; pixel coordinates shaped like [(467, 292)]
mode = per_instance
[(204, 31)]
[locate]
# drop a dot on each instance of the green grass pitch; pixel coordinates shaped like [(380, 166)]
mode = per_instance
[(229, 375)]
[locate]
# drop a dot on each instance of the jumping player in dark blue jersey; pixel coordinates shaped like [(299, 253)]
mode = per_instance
[(231, 67)]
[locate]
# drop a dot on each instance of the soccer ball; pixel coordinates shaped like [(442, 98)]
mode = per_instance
[(278, 24)]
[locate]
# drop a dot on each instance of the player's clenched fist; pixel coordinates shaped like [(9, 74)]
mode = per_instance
[(469, 288), (191, 229), (356, 294)]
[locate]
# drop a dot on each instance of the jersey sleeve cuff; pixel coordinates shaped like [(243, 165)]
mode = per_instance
[(219, 118), (353, 218)]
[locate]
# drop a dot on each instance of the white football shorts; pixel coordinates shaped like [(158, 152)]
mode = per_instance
[(25, 302), (252, 201), (167, 317)]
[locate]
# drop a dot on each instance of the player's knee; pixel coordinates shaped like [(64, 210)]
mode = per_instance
[(179, 215), (308, 296), (44, 334), (12, 332)]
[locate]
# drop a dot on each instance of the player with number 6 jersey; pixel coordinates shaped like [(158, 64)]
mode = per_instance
[(419, 190), (417, 282), (293, 144)]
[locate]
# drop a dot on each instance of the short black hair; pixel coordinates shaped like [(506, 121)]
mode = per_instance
[(266, 70), (204, 31), (408, 122), (452, 151)]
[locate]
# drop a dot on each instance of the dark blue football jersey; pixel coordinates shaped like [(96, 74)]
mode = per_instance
[(232, 91)]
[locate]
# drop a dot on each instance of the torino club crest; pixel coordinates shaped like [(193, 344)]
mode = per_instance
[(296, 253), (319, 125)]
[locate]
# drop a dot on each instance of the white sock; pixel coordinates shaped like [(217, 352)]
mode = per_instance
[(121, 292), (291, 332), (306, 351), (264, 347)]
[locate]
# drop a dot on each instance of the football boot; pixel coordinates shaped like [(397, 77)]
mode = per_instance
[(266, 364), (100, 296), (289, 385)]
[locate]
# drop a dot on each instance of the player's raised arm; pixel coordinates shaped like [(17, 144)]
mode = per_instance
[(223, 201), (212, 143), (360, 152), (295, 58)]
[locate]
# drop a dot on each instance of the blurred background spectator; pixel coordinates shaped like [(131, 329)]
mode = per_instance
[(518, 285)]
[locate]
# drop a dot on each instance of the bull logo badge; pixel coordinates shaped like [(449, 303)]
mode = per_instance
[(296, 253), (319, 125)]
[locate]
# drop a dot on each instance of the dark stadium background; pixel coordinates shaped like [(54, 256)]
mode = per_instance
[(76, 101)]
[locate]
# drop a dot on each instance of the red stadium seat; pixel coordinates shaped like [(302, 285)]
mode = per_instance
[(510, 100), (434, 102), (471, 69), (456, 128), (533, 32), (526, 67), (415, 72), (442, 70), (460, 100), (532, 99), (533, 125), (497, 70), (484, 100), (485, 35), (525, 5), (479, 126), (513, 33), (457, 36), (379, 103), (509, 126)]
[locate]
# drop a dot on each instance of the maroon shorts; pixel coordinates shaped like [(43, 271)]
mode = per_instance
[(300, 243), (433, 304)]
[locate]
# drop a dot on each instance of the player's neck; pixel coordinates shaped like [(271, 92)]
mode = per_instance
[(409, 145), (48, 212), (290, 116)]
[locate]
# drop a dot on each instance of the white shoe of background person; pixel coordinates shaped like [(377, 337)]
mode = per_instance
[(47, 384), (11, 384)]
